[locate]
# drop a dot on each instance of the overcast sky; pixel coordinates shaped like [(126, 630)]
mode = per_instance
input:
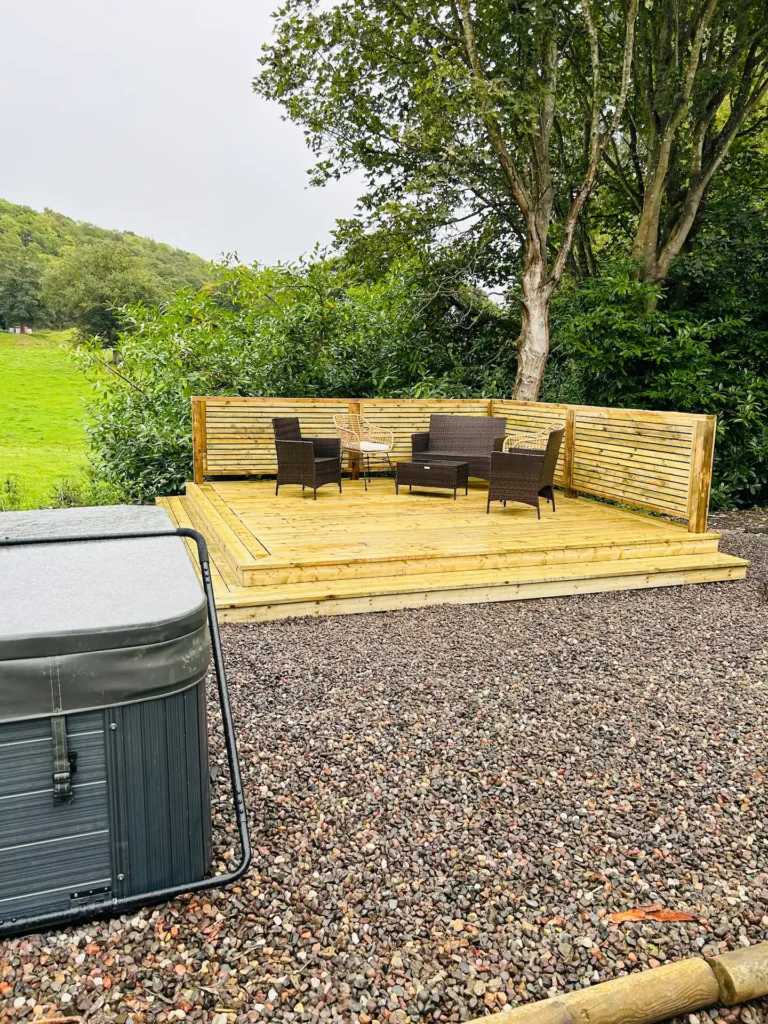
[(139, 115)]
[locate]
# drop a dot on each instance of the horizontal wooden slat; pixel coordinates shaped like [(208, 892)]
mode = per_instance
[(636, 456)]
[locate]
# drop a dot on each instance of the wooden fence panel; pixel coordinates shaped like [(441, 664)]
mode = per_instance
[(660, 461), (642, 458), (239, 440)]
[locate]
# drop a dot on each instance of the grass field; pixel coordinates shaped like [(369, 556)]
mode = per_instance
[(42, 398)]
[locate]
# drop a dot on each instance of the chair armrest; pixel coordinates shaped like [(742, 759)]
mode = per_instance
[(296, 453), (326, 447), (350, 439), (498, 444), (420, 442)]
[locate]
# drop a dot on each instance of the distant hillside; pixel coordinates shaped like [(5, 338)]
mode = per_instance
[(54, 271)]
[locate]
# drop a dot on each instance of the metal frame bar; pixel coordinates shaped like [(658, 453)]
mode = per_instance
[(119, 905)]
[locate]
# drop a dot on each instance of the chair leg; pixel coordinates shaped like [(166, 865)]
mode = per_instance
[(339, 486), (277, 488), (315, 495), (553, 500), (538, 510), (488, 507)]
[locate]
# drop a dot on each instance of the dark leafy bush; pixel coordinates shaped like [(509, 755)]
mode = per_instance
[(617, 342), (290, 331)]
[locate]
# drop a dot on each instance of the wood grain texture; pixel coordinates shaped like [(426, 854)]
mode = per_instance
[(199, 439), (660, 461), (568, 453), (700, 477), (643, 997), (742, 974), (368, 551)]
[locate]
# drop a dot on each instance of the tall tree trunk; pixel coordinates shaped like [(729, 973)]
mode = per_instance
[(533, 342)]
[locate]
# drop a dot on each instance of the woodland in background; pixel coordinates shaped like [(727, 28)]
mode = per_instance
[(390, 314), (56, 272)]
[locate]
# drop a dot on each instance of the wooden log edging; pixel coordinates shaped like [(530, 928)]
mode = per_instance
[(647, 997)]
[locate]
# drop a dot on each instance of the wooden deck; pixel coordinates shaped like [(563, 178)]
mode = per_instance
[(276, 557)]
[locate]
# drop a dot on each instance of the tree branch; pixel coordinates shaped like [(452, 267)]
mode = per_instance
[(596, 151), (510, 172)]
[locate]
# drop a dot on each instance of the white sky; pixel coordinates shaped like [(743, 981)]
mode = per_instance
[(139, 115)]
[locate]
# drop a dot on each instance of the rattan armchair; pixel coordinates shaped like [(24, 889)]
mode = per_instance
[(524, 474), (531, 441), (362, 439), (309, 461)]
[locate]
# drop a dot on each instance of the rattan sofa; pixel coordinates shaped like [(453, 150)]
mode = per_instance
[(470, 439)]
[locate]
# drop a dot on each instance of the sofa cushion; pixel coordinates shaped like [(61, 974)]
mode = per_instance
[(468, 435)]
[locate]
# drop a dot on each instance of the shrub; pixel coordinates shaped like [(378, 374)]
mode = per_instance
[(13, 495), (617, 342), (78, 492), (288, 331)]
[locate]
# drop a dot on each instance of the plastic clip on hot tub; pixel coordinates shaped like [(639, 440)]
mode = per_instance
[(96, 901)]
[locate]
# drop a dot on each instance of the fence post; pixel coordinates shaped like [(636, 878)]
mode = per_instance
[(199, 440), (355, 409), (700, 477), (568, 452)]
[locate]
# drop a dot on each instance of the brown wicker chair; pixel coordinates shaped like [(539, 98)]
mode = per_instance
[(524, 475), (309, 461)]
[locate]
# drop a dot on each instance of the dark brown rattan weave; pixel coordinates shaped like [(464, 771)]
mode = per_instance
[(523, 476), (432, 474), (309, 461), (469, 439)]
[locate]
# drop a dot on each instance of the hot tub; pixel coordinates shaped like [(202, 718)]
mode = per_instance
[(104, 775)]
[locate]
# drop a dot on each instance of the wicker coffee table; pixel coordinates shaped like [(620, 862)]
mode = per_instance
[(432, 474)]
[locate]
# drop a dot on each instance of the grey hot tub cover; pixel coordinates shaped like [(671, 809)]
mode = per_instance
[(93, 624)]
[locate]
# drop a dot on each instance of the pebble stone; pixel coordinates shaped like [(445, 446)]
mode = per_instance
[(446, 805)]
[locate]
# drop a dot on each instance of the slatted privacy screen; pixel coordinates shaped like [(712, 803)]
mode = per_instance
[(534, 417), (656, 460), (637, 458), (239, 440)]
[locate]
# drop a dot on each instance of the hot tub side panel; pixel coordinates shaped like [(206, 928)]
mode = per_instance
[(140, 819), (159, 791), (51, 856)]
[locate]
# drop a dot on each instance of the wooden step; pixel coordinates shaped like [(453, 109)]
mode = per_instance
[(357, 594), (415, 591), (328, 555), (238, 546)]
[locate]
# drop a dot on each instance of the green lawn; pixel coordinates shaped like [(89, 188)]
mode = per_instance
[(42, 396)]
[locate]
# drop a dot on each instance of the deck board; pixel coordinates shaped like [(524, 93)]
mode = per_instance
[(367, 551)]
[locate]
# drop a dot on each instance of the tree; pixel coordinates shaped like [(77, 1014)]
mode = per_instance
[(477, 112), (21, 273), (700, 79), (87, 285)]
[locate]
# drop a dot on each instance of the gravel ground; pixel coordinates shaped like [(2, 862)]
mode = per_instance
[(446, 806)]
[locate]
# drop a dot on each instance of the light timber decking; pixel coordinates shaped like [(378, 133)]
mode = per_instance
[(359, 551)]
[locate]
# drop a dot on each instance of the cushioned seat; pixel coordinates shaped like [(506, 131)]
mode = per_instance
[(452, 438), (373, 446)]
